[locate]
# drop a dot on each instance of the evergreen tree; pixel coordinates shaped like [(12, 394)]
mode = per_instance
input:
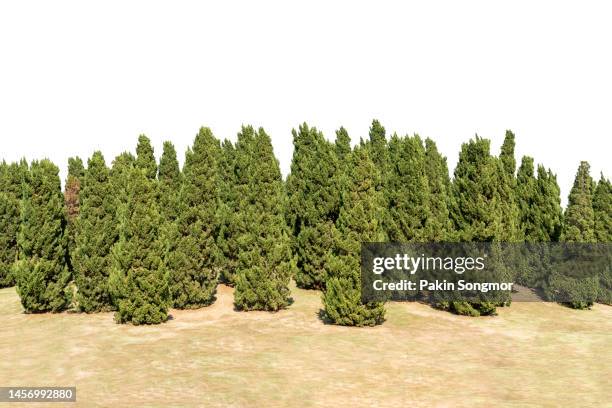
[(96, 233), (407, 190), (265, 264), (12, 179), (313, 203), (145, 157), (438, 226), (74, 182), (548, 203), (359, 221), (138, 280), (579, 223), (602, 210), (507, 154), (41, 273), (227, 211), (579, 216), (479, 207), (169, 183), (192, 252), (527, 196), (342, 145), (119, 176)]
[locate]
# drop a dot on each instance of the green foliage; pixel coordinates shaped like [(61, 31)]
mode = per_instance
[(41, 272), (170, 179), (138, 281), (602, 210), (226, 211), (548, 201), (579, 226), (12, 178), (342, 145), (507, 154), (74, 184), (438, 226), (359, 221), (579, 221), (527, 196), (95, 236), (192, 250), (119, 176), (145, 157), (265, 263), (313, 203), (407, 190), (483, 207)]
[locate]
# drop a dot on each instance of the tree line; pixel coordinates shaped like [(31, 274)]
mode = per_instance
[(138, 237)]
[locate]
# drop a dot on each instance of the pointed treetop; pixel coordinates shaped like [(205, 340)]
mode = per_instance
[(145, 157)]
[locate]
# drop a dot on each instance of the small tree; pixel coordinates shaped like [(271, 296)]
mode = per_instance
[(96, 233), (139, 280), (42, 273), (359, 221), (602, 210)]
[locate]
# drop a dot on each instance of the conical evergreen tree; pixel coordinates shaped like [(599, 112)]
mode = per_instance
[(313, 204), (193, 252), (480, 197), (602, 210), (226, 211), (579, 217), (438, 226), (507, 154), (12, 178), (138, 281), (407, 190), (169, 183), (42, 273), (119, 176), (342, 144), (265, 264), (548, 203), (74, 181), (145, 157), (359, 221), (527, 196), (96, 233)]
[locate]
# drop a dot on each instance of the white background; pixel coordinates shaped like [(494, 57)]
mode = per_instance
[(76, 76)]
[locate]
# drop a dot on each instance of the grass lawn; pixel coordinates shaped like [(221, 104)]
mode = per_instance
[(532, 354)]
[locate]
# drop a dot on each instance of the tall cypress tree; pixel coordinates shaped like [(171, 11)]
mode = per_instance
[(193, 253), (480, 196), (74, 181), (602, 210), (342, 144), (507, 154), (169, 183), (527, 196), (505, 187), (226, 212), (313, 203), (138, 281), (548, 203), (96, 233), (42, 273), (265, 264), (359, 221), (120, 169), (438, 226), (407, 190), (11, 181), (145, 157), (579, 222)]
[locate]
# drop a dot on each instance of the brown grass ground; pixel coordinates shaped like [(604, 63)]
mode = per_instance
[(532, 354)]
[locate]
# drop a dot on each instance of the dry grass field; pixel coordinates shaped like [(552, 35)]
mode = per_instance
[(532, 354)]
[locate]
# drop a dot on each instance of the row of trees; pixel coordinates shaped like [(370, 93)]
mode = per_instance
[(140, 237)]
